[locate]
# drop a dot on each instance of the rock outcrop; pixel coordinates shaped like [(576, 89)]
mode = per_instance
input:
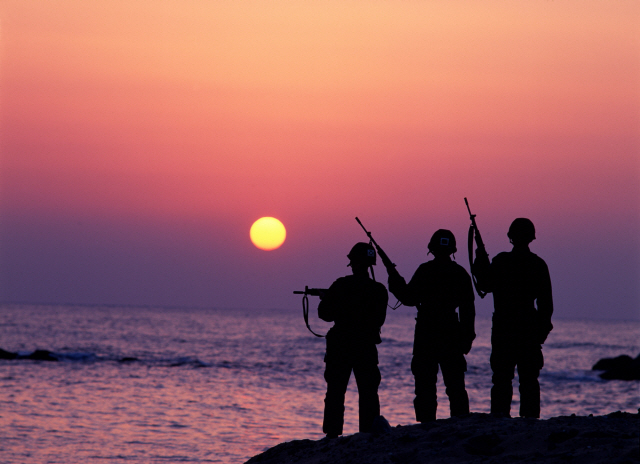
[(619, 368), (479, 438)]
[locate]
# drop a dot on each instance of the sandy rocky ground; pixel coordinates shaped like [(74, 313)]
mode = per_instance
[(610, 439)]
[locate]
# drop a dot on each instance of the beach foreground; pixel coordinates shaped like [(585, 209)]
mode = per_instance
[(613, 438)]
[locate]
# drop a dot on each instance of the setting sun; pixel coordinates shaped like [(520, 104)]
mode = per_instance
[(267, 233)]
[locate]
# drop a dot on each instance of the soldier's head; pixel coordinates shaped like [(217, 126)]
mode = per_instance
[(442, 243), (362, 255), (521, 231)]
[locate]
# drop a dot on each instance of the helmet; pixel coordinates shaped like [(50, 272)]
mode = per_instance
[(522, 230), (362, 253), (443, 241)]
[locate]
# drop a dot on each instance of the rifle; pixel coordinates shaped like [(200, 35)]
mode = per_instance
[(305, 303), (391, 268), (481, 251)]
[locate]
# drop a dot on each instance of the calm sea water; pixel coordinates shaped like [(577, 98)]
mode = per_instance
[(186, 385)]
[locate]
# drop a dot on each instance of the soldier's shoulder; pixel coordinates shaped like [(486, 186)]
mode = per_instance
[(502, 256), (425, 266), (538, 260), (536, 257), (342, 281), (502, 259), (379, 286), (459, 269), (341, 286), (424, 270), (458, 266)]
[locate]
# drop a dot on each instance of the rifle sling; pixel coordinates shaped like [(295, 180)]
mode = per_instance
[(305, 313)]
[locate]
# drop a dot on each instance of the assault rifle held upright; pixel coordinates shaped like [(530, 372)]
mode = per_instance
[(481, 251), (391, 268)]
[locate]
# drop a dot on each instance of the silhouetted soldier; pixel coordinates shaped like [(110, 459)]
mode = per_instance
[(519, 280), (358, 306), (442, 336)]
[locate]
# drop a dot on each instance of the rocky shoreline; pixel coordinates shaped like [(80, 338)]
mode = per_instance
[(610, 439)]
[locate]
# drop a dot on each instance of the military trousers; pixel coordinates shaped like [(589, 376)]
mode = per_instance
[(337, 373), (506, 355), (424, 367)]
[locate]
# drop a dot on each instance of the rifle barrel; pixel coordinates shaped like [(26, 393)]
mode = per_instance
[(366, 232), (363, 227), (469, 209)]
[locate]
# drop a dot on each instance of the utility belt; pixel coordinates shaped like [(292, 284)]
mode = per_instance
[(429, 315), (525, 318), (351, 336)]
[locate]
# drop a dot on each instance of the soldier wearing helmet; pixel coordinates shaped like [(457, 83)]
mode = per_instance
[(523, 305), (358, 306), (442, 336)]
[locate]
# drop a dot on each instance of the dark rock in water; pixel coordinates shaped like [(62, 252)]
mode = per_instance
[(127, 360), (42, 355), (606, 364), (380, 426), (619, 368), (7, 354)]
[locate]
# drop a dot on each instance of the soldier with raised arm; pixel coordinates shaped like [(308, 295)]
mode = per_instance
[(523, 305), (442, 336)]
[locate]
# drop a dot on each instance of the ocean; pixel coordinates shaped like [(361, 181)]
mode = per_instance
[(144, 384)]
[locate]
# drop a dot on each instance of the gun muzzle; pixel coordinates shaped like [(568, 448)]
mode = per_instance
[(310, 291)]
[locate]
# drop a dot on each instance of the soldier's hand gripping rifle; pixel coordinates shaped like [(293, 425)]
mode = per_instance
[(481, 252), (391, 268), (305, 303)]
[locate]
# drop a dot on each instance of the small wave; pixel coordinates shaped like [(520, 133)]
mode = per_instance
[(38, 355), (77, 357), (392, 342), (187, 361), (89, 357), (231, 365), (571, 376), (592, 345), (233, 407), (46, 355)]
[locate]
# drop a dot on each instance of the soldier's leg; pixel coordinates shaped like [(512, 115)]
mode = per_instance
[(368, 380), (453, 369), (425, 372), (529, 364), (337, 376), (503, 366)]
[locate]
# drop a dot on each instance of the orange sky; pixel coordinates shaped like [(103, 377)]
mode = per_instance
[(157, 116)]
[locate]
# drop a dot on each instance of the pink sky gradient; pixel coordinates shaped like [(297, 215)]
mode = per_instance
[(140, 140)]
